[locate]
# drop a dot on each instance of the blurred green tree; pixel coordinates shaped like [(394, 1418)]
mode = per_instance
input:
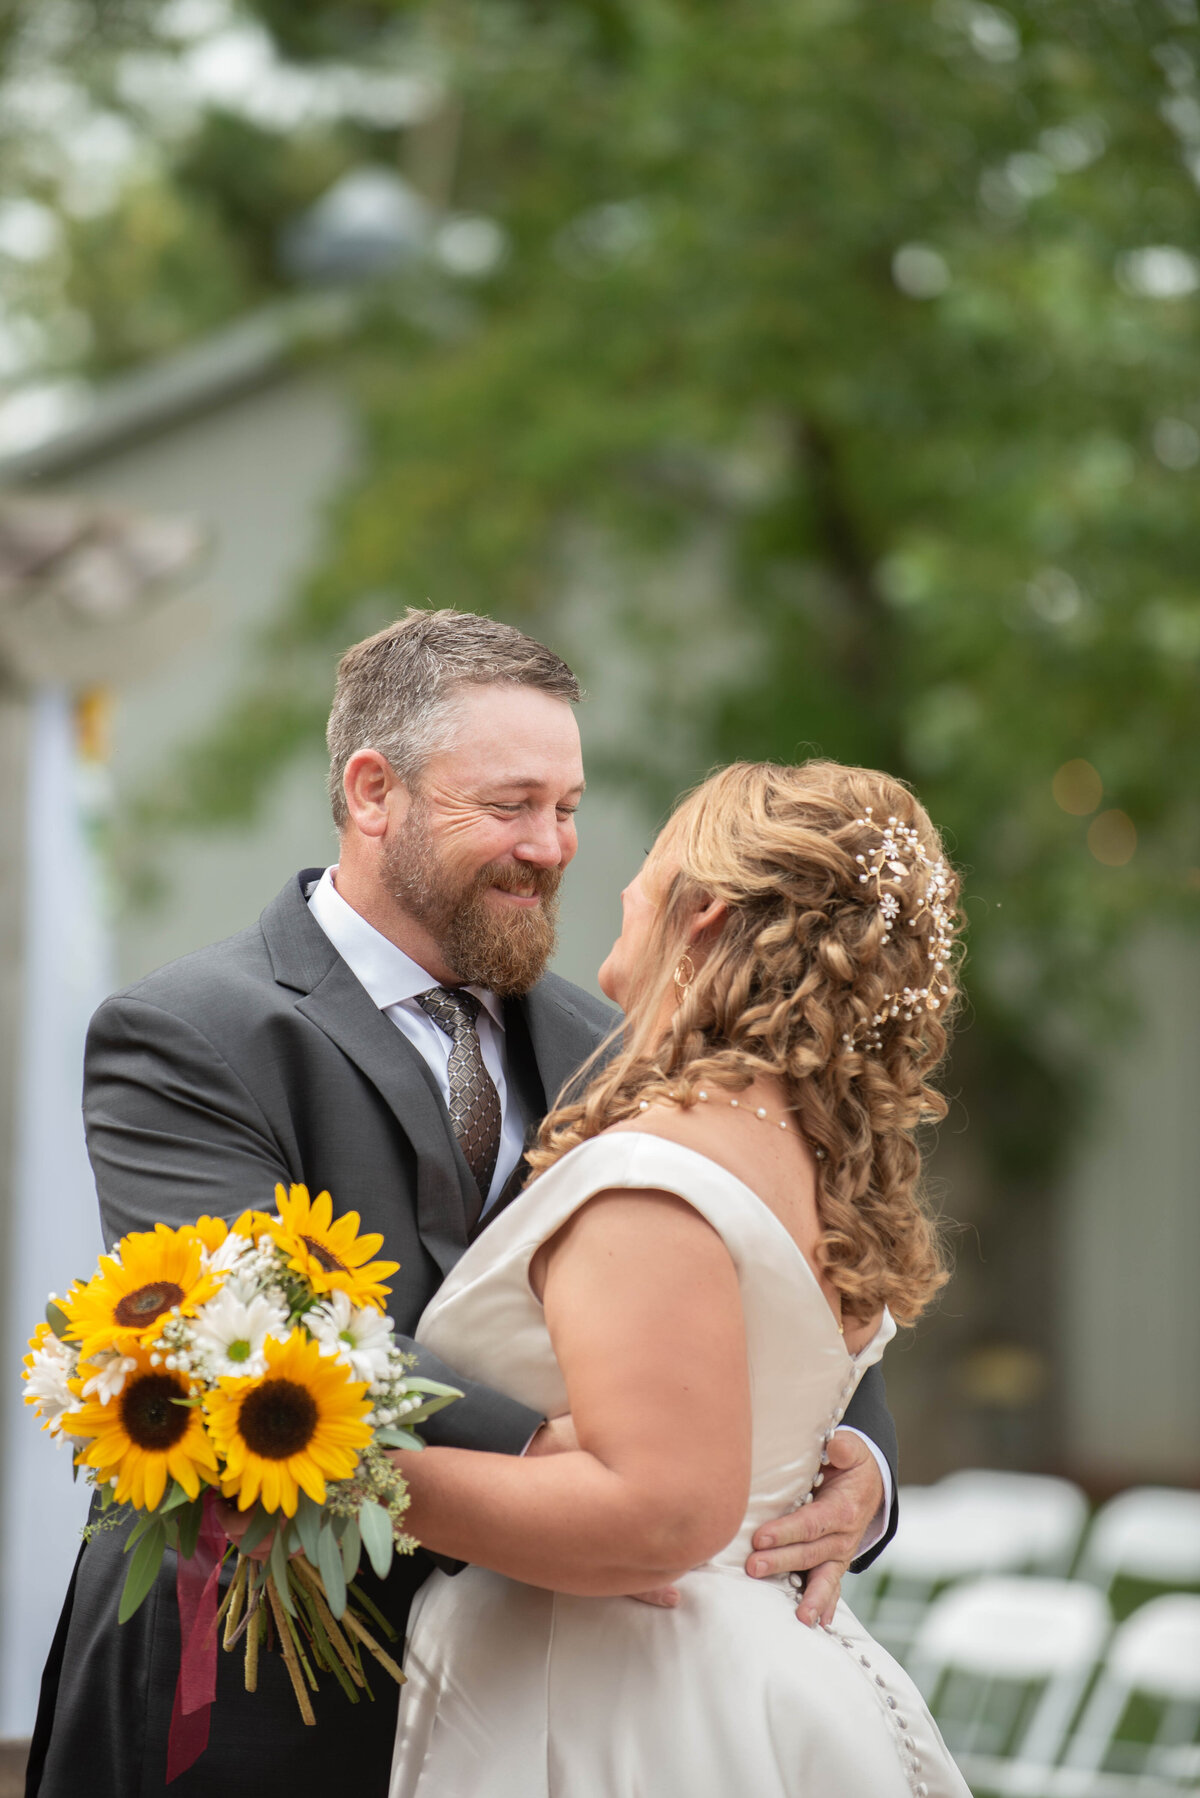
[(842, 358)]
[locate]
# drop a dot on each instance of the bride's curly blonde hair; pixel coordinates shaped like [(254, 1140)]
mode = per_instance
[(800, 980)]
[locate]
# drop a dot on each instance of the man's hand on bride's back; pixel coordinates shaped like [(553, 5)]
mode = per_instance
[(822, 1538)]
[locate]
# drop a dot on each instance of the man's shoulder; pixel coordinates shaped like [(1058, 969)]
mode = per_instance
[(596, 1014), (252, 970), (203, 982)]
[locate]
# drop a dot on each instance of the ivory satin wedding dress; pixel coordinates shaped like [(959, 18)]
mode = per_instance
[(515, 1692)]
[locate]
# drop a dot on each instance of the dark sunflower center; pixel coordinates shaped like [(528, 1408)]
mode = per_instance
[(151, 1418), (146, 1303), (326, 1257), (278, 1419)]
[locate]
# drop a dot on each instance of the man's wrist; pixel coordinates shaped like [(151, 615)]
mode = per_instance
[(877, 1528)]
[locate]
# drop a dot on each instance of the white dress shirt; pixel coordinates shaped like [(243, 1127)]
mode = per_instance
[(393, 980)]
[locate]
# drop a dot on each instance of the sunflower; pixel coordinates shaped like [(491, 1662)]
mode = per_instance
[(212, 1232), (330, 1255), (154, 1272), (148, 1433), (302, 1422)]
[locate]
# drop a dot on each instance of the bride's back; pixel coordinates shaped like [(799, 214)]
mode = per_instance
[(750, 1135)]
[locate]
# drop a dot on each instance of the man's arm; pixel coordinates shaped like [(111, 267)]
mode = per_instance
[(868, 1413), (174, 1133)]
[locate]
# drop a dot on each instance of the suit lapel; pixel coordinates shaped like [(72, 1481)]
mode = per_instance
[(546, 1042), (304, 958), (560, 1038)]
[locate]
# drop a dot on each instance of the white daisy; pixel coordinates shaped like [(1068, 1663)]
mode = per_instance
[(231, 1251), (46, 1387), (229, 1332), (108, 1379), (360, 1336)]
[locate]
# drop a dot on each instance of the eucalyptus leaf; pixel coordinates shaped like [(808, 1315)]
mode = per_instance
[(351, 1548), (146, 1521), (279, 1571), (143, 1570), (308, 1527), (58, 1320), (392, 1436), (437, 1388), (375, 1527), (189, 1527), (260, 1523), (428, 1409), (329, 1563)]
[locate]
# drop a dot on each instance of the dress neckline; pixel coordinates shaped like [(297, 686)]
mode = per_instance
[(765, 1209)]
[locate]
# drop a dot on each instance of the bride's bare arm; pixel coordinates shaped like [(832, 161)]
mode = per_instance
[(644, 1312)]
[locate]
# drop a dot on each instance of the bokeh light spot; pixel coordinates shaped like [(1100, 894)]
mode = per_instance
[(1112, 838), (1077, 788)]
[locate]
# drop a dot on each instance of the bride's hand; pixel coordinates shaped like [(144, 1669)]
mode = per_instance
[(822, 1538), (235, 1523)]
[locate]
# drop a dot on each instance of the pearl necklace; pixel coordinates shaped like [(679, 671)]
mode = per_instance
[(759, 1112)]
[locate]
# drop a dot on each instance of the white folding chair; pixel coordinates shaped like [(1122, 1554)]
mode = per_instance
[(1048, 1513), (966, 1526), (1149, 1533), (1004, 1664), (1154, 1653)]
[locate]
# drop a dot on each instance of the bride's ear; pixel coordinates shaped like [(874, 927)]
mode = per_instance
[(707, 921)]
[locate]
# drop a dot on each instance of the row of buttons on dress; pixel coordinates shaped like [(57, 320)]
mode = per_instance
[(906, 1744), (797, 1579)]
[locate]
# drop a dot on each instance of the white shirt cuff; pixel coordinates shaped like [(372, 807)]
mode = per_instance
[(878, 1524)]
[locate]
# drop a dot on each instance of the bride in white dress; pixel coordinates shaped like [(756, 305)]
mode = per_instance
[(718, 1237)]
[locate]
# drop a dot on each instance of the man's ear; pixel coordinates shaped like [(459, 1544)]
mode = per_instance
[(708, 921), (372, 787)]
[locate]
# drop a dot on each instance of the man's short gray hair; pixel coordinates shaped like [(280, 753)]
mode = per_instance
[(396, 690)]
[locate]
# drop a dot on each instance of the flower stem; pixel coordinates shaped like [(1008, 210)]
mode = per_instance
[(312, 1582), (252, 1634), (234, 1600), (289, 1653)]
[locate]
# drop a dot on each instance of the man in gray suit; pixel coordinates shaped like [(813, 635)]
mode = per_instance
[(386, 1031)]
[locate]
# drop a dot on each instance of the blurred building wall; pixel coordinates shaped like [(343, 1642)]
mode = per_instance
[(1129, 1235)]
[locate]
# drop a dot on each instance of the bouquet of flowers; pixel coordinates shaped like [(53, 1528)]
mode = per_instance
[(253, 1361)]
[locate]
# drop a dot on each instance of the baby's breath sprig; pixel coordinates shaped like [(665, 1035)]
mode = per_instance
[(901, 856), (379, 1481)]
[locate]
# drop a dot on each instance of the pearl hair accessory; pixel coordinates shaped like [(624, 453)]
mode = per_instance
[(901, 855), (755, 1111)]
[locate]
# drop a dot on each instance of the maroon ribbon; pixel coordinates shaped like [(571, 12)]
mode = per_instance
[(196, 1583)]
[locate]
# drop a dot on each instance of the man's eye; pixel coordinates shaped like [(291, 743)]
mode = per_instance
[(567, 811)]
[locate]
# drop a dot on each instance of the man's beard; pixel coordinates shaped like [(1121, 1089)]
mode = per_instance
[(507, 950)]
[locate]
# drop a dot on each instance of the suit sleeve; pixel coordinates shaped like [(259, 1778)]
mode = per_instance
[(868, 1412), (173, 1133)]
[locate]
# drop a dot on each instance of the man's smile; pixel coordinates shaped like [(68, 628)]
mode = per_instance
[(520, 896)]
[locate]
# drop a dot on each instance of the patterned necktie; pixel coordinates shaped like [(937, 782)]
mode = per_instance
[(474, 1101)]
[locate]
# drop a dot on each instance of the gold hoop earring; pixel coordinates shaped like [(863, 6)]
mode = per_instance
[(685, 973)]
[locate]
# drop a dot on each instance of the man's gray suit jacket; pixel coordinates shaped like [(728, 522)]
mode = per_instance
[(263, 1059)]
